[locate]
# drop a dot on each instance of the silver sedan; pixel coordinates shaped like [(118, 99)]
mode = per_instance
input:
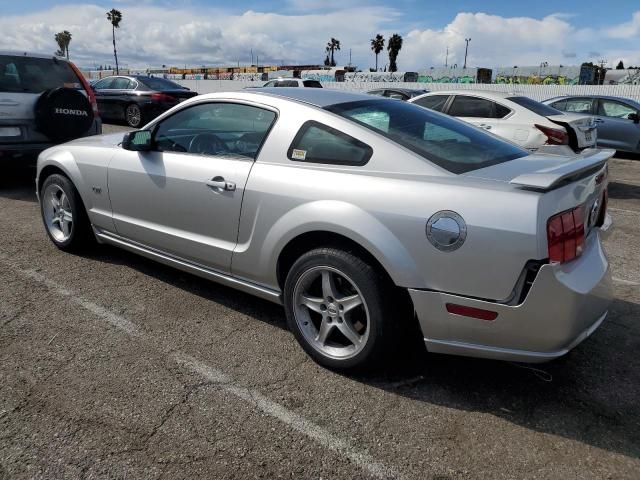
[(360, 215)]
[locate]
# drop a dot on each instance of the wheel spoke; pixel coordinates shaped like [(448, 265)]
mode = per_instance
[(348, 331), (312, 303), (65, 227), (350, 302), (328, 285), (55, 220), (55, 202), (64, 201), (323, 332), (68, 217)]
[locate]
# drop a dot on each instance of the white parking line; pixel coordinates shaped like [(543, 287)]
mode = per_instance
[(622, 210), (625, 282), (293, 420)]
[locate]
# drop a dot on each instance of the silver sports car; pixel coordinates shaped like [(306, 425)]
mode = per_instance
[(360, 215)]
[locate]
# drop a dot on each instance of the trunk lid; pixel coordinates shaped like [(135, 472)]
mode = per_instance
[(582, 129)]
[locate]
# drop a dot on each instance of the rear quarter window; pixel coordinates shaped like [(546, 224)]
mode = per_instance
[(312, 84), (318, 143), (35, 75)]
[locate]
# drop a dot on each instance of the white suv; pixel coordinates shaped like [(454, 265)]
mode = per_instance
[(44, 100), (293, 82)]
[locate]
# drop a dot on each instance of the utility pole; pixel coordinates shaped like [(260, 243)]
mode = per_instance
[(466, 51), (446, 58), (252, 57), (349, 57), (602, 62)]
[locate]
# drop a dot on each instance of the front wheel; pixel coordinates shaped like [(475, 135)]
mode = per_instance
[(63, 214), (133, 115), (337, 309)]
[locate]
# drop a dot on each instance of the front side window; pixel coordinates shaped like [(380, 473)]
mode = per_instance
[(434, 102), (228, 129), (443, 141), (464, 106), (611, 108), (318, 143)]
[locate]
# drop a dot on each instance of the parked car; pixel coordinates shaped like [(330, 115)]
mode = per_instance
[(519, 119), (137, 99), (618, 118), (398, 93), (293, 82), (44, 100), (356, 213)]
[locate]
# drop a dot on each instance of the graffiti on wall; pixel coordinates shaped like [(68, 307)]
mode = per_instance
[(622, 77), (448, 75), (551, 75)]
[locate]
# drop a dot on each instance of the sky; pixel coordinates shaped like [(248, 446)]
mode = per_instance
[(201, 32)]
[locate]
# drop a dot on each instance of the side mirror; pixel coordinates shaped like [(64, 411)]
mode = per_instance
[(137, 141), (635, 117)]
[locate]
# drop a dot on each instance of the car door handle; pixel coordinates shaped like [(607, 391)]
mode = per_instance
[(599, 120), (221, 183), (485, 126)]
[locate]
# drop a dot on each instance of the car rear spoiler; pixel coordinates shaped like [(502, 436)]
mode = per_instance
[(591, 159)]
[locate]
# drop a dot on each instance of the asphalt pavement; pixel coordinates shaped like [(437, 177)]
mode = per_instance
[(112, 366)]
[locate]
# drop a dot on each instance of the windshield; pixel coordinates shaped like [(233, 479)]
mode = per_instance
[(35, 75), (442, 140), (159, 83), (535, 107)]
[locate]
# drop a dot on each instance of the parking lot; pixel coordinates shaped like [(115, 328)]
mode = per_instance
[(113, 366)]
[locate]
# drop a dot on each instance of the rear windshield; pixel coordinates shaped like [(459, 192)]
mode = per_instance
[(159, 83), (535, 107), (35, 75), (442, 140)]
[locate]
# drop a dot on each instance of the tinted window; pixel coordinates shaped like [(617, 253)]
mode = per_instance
[(287, 83), (317, 143), (312, 83), (159, 83), (215, 129), (122, 83), (35, 75), (104, 83), (578, 105), (396, 95), (378, 93), (501, 110), (611, 108), (464, 106), (434, 102), (272, 83), (535, 107), (559, 105), (444, 141)]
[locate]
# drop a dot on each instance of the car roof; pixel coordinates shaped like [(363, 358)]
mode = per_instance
[(479, 93), (17, 53), (314, 96), (605, 97)]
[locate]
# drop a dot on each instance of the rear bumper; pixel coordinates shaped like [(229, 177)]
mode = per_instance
[(565, 305)]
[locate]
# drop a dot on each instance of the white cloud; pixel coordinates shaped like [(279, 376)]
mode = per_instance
[(153, 33)]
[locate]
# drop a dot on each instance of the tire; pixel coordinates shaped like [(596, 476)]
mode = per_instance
[(133, 115), (64, 215), (321, 295), (63, 114)]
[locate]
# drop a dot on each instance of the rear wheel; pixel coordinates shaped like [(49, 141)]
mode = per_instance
[(133, 115), (63, 214), (337, 309)]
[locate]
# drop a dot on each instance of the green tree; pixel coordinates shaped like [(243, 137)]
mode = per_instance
[(63, 39), (332, 46), (394, 45), (377, 45), (620, 65), (115, 17)]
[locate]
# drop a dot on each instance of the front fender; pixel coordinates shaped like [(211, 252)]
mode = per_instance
[(63, 159)]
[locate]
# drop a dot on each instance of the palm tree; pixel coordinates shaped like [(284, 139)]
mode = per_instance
[(394, 45), (115, 17), (63, 39), (332, 46), (377, 45)]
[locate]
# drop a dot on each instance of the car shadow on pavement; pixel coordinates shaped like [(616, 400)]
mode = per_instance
[(589, 396), (18, 183), (623, 191)]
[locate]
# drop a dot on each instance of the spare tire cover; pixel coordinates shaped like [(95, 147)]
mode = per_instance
[(63, 114)]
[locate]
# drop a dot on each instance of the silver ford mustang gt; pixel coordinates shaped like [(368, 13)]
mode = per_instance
[(358, 214)]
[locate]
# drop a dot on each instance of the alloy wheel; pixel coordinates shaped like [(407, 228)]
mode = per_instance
[(58, 214)]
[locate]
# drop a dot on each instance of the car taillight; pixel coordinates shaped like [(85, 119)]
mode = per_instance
[(565, 235), (162, 97), (554, 136), (90, 93)]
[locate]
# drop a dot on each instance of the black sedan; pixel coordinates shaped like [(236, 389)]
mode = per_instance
[(137, 99), (398, 93)]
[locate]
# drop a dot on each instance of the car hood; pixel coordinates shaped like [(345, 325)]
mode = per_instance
[(107, 140)]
